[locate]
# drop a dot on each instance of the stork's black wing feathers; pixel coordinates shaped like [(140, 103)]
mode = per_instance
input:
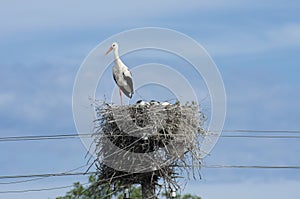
[(129, 91), (115, 78)]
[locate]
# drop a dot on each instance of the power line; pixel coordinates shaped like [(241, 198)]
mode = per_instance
[(22, 181), (196, 165), (45, 175), (262, 136), (62, 187), (260, 131), (37, 190), (203, 166), (89, 135), (219, 166), (43, 137), (40, 178), (248, 166)]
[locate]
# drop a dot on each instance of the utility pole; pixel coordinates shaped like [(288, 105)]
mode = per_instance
[(173, 194), (126, 194), (148, 188)]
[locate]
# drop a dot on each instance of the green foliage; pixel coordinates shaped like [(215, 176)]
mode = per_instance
[(90, 192), (186, 196), (189, 196), (105, 192)]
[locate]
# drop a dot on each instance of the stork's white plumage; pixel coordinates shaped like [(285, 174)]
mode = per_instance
[(121, 74), (165, 103), (142, 103), (153, 102)]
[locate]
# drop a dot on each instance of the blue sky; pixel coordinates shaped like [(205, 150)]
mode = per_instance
[(255, 45)]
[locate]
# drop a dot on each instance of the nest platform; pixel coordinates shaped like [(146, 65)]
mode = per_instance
[(149, 141)]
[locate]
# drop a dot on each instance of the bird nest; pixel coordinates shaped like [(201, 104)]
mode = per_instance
[(147, 141)]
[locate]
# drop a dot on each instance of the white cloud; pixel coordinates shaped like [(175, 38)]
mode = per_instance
[(39, 15), (235, 41), (41, 92), (286, 35)]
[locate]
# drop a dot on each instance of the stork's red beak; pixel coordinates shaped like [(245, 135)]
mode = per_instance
[(110, 49)]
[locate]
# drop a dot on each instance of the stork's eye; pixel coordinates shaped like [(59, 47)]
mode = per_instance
[(113, 45)]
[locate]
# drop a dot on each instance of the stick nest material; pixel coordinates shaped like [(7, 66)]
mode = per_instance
[(150, 141)]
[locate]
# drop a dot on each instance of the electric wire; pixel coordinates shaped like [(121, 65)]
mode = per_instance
[(284, 134), (37, 190), (40, 178), (248, 166), (45, 175), (215, 166), (88, 135), (123, 175)]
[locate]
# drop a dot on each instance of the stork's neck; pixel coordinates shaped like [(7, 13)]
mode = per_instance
[(116, 54)]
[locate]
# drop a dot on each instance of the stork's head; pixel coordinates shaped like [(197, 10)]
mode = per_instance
[(114, 46)]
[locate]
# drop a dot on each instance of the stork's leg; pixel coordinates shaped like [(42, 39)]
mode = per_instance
[(120, 96)]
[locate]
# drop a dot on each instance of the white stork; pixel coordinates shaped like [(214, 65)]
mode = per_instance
[(121, 74)]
